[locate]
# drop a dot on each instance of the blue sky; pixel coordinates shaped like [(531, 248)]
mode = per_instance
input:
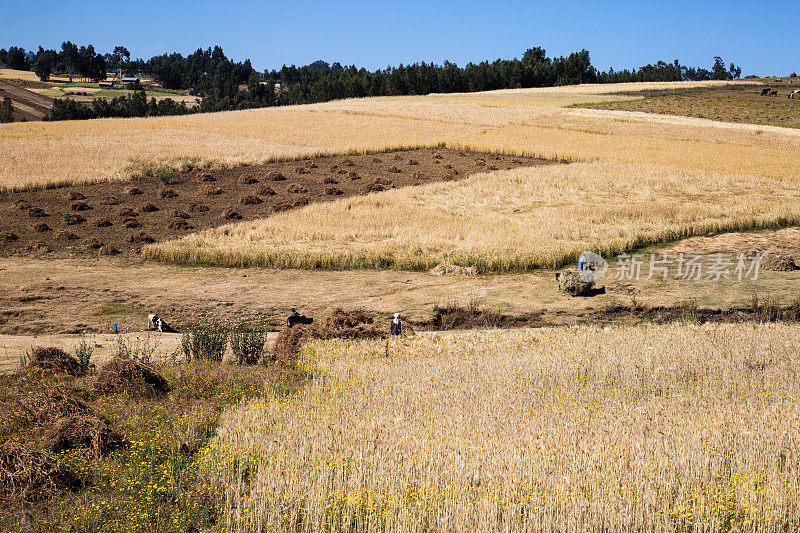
[(761, 37)]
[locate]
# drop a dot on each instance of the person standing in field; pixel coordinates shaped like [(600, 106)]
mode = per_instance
[(395, 328)]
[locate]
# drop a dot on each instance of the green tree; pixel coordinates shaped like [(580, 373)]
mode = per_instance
[(6, 110), (45, 63)]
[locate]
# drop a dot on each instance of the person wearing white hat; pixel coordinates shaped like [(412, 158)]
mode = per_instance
[(395, 328)]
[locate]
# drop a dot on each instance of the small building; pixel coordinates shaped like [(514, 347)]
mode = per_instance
[(126, 80), (106, 84)]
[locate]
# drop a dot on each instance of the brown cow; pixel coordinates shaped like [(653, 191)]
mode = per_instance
[(765, 91)]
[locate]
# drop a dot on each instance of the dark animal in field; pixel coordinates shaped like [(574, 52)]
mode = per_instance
[(297, 318), (765, 91), (773, 92)]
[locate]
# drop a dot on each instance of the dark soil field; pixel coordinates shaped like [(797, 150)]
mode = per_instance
[(120, 217), (28, 105), (742, 103)]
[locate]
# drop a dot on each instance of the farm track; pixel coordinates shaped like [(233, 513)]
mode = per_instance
[(28, 105), (106, 218)]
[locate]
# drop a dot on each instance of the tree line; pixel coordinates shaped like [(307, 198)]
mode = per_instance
[(223, 84)]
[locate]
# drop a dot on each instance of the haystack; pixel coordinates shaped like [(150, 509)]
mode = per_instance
[(444, 269), (288, 343), (87, 433), (128, 376), (340, 324), (777, 261), (30, 474), (48, 404), (570, 281), (53, 361)]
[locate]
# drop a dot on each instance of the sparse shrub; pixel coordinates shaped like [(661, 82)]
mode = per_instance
[(230, 214), (138, 349), (266, 191), (247, 341), (333, 191), (165, 174), (205, 340), (80, 206), (37, 212), (133, 191), (148, 207), (297, 189), (247, 180), (168, 193)]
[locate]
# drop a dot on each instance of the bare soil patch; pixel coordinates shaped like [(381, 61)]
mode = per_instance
[(81, 221), (28, 105)]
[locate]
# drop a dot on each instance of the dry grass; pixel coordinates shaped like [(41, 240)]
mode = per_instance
[(638, 429), (502, 221), (513, 121)]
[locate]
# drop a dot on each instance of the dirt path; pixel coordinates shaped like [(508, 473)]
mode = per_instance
[(111, 218)]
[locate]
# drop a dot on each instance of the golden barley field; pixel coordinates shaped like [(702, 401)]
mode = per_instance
[(501, 221), (530, 120), (660, 428)]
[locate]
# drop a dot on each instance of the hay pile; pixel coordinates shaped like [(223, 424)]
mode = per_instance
[(89, 433), (53, 361), (46, 405), (777, 261), (444, 269), (569, 281), (128, 376), (341, 324), (288, 343), (30, 474)]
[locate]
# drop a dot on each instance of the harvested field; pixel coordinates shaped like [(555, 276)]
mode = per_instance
[(634, 428), (529, 122), (112, 216), (501, 221), (733, 103)]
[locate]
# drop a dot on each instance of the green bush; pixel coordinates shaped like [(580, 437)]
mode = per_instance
[(205, 340), (247, 341)]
